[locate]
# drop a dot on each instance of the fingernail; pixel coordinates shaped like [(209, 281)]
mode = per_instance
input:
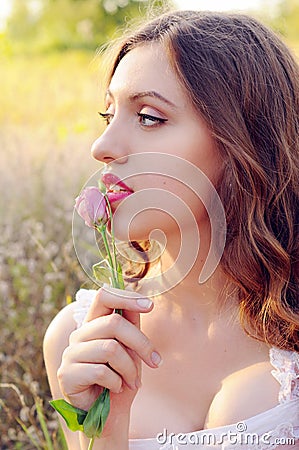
[(144, 303), (156, 358)]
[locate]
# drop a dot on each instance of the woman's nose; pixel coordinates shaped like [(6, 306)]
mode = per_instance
[(111, 146)]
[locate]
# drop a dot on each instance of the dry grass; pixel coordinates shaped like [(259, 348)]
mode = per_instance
[(48, 120)]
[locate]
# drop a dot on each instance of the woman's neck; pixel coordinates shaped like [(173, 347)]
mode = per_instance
[(182, 262)]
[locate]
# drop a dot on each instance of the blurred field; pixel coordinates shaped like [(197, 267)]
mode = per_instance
[(48, 120)]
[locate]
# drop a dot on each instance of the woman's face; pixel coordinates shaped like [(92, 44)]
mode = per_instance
[(153, 134)]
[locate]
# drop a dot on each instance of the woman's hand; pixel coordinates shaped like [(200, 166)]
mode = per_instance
[(107, 352)]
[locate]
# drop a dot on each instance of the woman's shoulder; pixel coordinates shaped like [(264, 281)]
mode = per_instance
[(56, 337), (63, 322), (72, 315), (55, 341), (68, 319)]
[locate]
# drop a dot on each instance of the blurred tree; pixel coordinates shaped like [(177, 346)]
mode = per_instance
[(286, 19), (64, 24)]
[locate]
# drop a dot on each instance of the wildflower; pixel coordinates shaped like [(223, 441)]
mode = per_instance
[(91, 205)]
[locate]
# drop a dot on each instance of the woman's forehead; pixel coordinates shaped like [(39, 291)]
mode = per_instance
[(147, 68)]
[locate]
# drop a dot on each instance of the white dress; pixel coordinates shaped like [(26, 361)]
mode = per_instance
[(277, 427)]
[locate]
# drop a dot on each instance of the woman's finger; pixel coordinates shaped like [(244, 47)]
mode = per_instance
[(105, 351), (108, 299), (114, 326), (89, 375)]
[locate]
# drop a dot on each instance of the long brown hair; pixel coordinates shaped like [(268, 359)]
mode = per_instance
[(242, 78)]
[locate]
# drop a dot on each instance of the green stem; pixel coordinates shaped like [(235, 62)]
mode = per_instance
[(112, 233), (91, 442), (114, 265), (117, 280), (102, 230)]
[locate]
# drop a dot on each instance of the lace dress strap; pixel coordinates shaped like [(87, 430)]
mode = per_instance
[(84, 298), (286, 372)]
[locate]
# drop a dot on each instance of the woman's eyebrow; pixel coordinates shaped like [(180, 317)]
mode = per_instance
[(153, 94), (139, 95)]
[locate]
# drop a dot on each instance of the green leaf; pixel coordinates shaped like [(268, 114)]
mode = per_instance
[(74, 417), (101, 272), (97, 415)]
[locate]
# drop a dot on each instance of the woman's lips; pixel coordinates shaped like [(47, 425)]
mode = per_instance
[(116, 189)]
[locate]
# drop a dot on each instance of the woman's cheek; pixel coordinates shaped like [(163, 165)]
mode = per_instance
[(160, 202)]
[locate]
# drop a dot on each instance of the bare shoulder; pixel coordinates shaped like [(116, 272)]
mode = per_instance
[(57, 335), (244, 394)]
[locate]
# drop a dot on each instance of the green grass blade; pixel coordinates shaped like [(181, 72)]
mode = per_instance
[(26, 430), (62, 440), (38, 404)]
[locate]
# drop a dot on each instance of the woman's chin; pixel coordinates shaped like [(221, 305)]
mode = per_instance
[(121, 235), (129, 226), (126, 231)]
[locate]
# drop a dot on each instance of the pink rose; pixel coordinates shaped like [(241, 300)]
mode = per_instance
[(92, 207)]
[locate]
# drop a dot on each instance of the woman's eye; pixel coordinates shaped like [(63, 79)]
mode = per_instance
[(147, 120), (107, 117)]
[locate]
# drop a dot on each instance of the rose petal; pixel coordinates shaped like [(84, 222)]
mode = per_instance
[(91, 205)]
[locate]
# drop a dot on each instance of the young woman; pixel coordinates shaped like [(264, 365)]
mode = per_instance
[(219, 358)]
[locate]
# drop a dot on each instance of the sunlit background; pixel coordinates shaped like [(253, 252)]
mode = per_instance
[(226, 5), (50, 93), (220, 5)]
